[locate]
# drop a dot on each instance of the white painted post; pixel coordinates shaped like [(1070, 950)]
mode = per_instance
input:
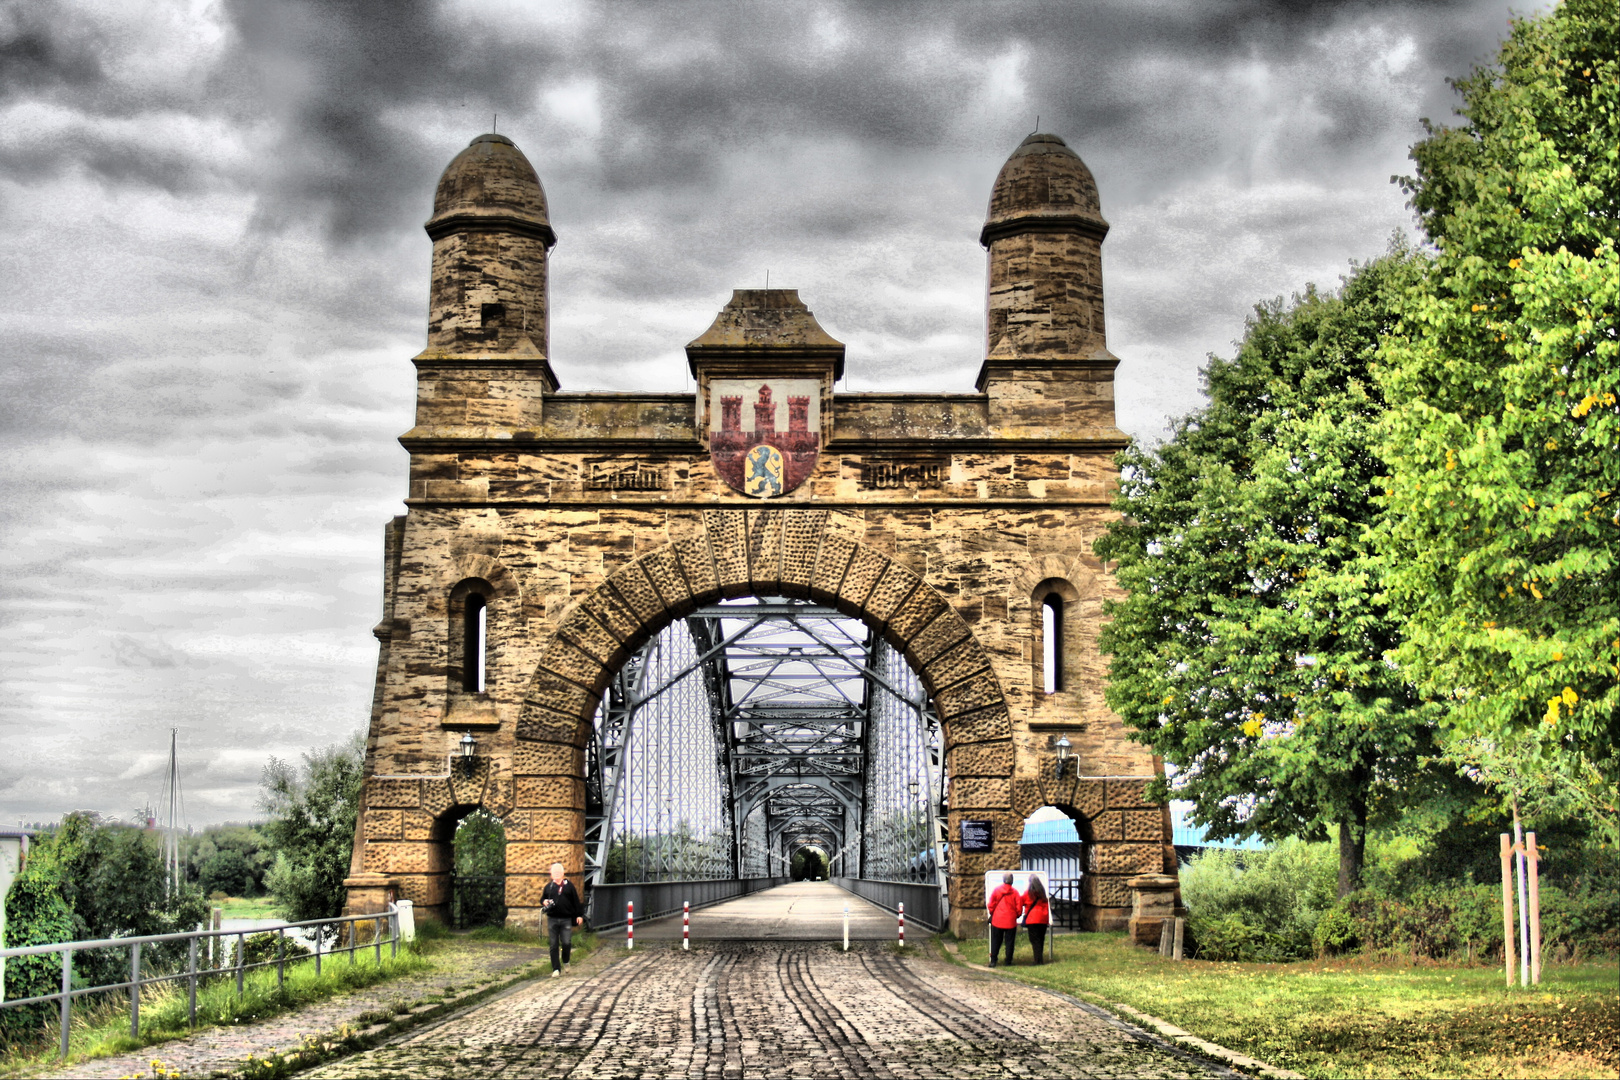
[(407, 919), (846, 928), (686, 924), (630, 924), (902, 924)]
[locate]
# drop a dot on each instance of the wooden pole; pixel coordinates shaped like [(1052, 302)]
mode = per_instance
[(1507, 906), (1534, 857), (1524, 900)]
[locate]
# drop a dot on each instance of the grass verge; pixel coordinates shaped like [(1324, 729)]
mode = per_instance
[(100, 1025), (1354, 1017), (235, 907)]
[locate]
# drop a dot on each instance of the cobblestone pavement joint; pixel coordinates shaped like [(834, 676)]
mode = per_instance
[(411, 1000), (776, 1009)]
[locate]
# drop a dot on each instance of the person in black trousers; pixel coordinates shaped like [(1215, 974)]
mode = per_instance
[(560, 901)]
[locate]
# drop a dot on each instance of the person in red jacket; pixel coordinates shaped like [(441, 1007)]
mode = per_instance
[(1037, 916), (1005, 904)]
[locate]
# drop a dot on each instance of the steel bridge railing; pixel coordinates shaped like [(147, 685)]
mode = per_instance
[(605, 905), (193, 975), (924, 903)]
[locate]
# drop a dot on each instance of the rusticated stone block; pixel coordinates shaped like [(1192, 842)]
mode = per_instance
[(418, 824), (500, 796), (407, 858), (1128, 794), (1108, 827), (697, 567), (665, 573), (728, 541), (921, 608), (567, 661), (556, 825), (934, 639), (467, 784), (547, 759), (605, 608), (437, 796), (542, 725), (1143, 826), (562, 696), (985, 725), (978, 793), (1089, 797), (517, 824), (385, 825), (765, 549), (393, 793), (537, 857), (978, 692), (891, 592), (801, 539), (983, 759), (592, 638), (832, 560), (635, 590), (560, 792), (1103, 891), (955, 664), (1122, 858), (864, 571), (423, 890)]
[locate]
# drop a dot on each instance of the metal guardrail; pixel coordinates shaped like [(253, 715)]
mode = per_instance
[(193, 975), (605, 904), (923, 902)]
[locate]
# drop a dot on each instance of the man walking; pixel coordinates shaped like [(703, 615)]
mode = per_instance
[(560, 901), (1005, 904)]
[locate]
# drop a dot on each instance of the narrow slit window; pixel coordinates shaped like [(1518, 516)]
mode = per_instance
[(475, 637), (1052, 643)]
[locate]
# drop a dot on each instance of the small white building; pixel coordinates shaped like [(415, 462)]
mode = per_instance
[(13, 855)]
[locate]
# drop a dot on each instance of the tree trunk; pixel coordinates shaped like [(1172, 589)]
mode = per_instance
[(1352, 847)]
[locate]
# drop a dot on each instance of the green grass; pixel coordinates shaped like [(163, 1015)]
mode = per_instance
[(259, 907), (101, 1025), (1358, 1016)]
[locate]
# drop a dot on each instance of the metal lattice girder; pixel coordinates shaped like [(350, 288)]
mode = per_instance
[(813, 727)]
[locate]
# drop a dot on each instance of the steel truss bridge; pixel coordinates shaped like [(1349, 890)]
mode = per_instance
[(751, 731)]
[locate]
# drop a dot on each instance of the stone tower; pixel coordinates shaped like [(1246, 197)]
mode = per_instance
[(549, 534)]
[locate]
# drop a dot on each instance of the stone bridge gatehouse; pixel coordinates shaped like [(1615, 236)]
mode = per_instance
[(562, 530)]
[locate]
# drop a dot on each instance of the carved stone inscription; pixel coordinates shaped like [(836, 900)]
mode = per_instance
[(904, 472)]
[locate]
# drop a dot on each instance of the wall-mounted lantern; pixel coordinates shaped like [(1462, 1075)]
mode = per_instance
[(911, 788), (1063, 755), (468, 744)]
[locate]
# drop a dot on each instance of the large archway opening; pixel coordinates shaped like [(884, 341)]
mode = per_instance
[(757, 740)]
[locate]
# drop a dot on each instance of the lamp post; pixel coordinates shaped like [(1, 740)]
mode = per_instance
[(913, 865), (1063, 755)]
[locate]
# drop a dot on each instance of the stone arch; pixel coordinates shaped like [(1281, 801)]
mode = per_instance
[(767, 552)]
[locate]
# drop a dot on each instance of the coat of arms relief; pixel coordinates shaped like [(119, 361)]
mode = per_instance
[(764, 434)]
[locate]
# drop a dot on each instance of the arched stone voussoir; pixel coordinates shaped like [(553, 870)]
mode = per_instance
[(663, 569), (696, 563), (566, 660), (959, 662), (801, 542), (832, 561), (865, 569), (558, 695), (990, 724), (583, 631), (541, 725), (632, 587), (478, 565)]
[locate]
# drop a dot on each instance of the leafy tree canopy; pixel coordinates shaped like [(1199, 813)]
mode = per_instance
[(312, 818), (1249, 652), (1502, 525)]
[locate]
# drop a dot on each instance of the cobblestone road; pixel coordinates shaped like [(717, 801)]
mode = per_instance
[(776, 1010)]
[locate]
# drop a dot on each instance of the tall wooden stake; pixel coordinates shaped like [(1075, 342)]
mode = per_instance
[(1507, 907), (1534, 858), (1524, 899)]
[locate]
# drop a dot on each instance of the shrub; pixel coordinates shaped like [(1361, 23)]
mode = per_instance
[(1336, 932), (1259, 905)]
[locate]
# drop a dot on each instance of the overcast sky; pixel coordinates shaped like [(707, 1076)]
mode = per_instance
[(215, 275)]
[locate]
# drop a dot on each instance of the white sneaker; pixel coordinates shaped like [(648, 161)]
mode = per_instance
[(554, 974)]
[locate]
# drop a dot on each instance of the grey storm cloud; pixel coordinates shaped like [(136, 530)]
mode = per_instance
[(210, 220)]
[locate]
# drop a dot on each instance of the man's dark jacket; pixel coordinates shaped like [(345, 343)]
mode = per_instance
[(567, 904)]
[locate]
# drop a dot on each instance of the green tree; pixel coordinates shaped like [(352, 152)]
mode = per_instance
[(1249, 652), (312, 816), (227, 872), (36, 914), (480, 844), (1501, 534)]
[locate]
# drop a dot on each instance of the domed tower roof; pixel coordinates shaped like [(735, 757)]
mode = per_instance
[(491, 185), (1044, 184)]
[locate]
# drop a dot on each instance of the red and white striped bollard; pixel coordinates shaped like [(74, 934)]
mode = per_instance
[(686, 924), (630, 924), (902, 924)]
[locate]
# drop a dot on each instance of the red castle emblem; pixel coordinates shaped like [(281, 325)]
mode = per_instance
[(764, 462)]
